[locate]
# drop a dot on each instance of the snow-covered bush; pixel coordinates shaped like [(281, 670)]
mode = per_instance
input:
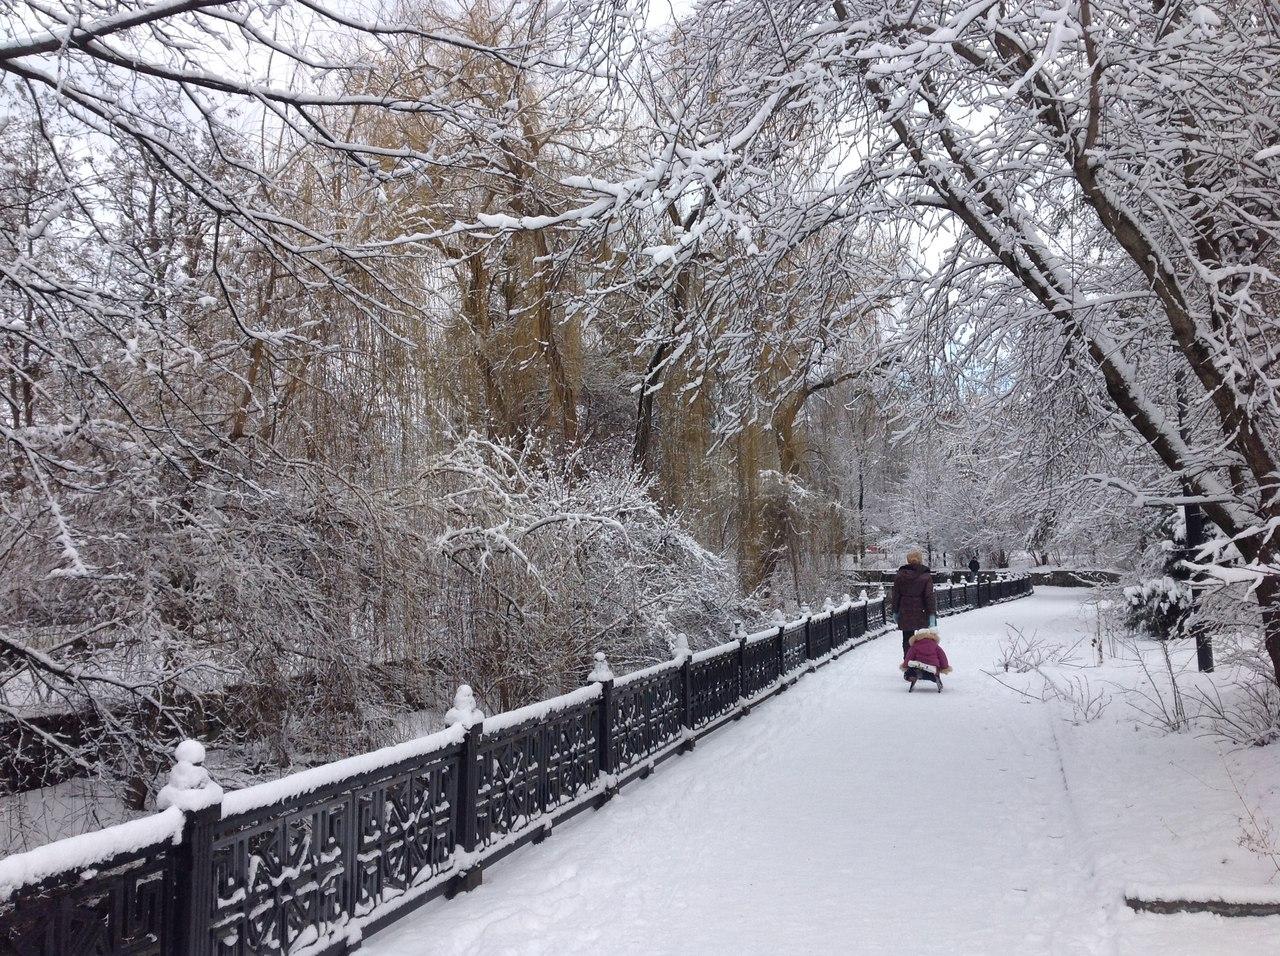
[(1023, 655), (1159, 698), (243, 613), (305, 620), (1243, 705), (1158, 607), (548, 560), (1087, 701)]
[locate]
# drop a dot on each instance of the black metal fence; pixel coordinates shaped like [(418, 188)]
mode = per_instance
[(315, 861)]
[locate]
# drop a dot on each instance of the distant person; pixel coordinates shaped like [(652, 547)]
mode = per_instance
[(973, 566), (914, 605)]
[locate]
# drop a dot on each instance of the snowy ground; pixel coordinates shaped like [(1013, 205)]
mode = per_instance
[(847, 816)]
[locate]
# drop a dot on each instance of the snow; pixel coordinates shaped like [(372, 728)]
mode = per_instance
[(799, 829), (88, 849), (762, 635), (464, 710), (651, 671), (728, 647), (1250, 895), (35, 817), (190, 787), (600, 670), (542, 708), (305, 781)]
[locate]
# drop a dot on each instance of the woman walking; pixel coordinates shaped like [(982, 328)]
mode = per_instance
[(914, 606)]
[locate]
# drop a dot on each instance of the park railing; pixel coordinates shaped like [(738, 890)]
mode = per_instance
[(312, 862)]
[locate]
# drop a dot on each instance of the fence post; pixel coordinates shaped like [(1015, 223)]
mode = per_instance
[(682, 653), (192, 790), (193, 886), (782, 656), (808, 631), (472, 875), (847, 600), (603, 676), (466, 713), (740, 633), (828, 608)]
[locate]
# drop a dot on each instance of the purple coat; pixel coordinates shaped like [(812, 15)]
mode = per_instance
[(927, 651), (913, 600)]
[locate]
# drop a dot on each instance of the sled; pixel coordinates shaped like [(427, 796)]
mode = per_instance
[(920, 671)]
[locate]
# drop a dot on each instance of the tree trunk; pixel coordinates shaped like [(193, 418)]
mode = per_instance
[(1269, 603)]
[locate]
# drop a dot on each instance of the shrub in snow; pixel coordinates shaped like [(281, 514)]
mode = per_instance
[(548, 561), (1086, 701), (1242, 704), (1022, 654), (1160, 697), (1159, 607)]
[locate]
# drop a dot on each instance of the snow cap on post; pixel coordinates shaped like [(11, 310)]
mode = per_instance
[(680, 646), (806, 611), (862, 597), (190, 787), (828, 605), (600, 672), (779, 616), (464, 710), (739, 632)]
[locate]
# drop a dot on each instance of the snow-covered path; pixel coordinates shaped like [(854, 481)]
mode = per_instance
[(844, 816)]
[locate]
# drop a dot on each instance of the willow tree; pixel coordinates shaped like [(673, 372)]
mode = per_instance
[(1111, 165)]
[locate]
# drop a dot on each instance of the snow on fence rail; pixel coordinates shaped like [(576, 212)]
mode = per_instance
[(312, 862)]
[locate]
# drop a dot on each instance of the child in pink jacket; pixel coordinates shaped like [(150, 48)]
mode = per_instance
[(923, 648)]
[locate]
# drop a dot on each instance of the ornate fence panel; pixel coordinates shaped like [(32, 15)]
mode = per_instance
[(292, 872), (793, 648), (714, 687), (820, 635), (125, 908), (523, 771), (644, 716), (840, 628), (760, 664)]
